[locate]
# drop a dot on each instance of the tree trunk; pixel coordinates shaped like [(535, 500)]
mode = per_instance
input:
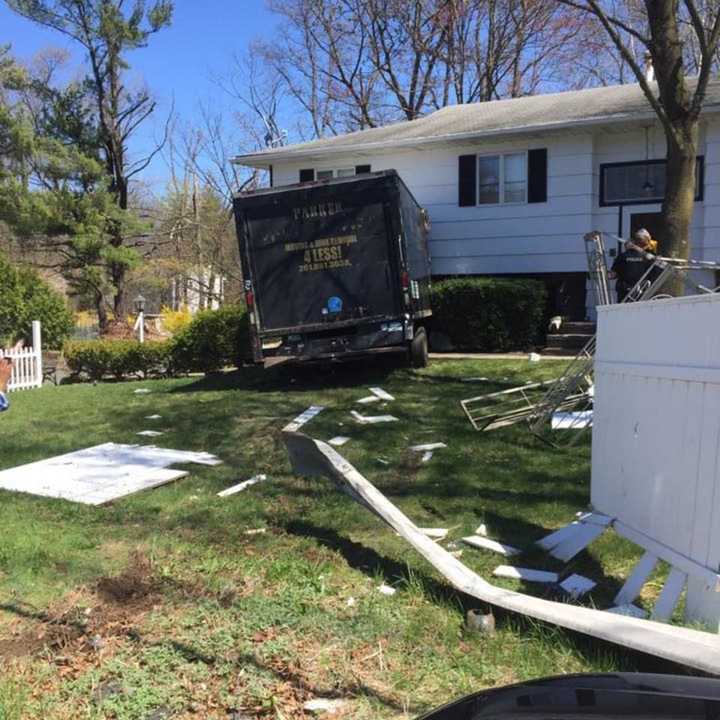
[(118, 278), (101, 311), (680, 191)]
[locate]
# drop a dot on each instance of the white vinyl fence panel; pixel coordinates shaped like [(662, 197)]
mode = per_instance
[(656, 429), (27, 363)]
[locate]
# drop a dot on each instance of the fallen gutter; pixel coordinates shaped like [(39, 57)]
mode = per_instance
[(693, 648)]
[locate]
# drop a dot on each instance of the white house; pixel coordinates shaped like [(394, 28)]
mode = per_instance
[(512, 186)]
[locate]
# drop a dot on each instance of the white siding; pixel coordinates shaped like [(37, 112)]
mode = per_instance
[(629, 146), (538, 237), (513, 238)]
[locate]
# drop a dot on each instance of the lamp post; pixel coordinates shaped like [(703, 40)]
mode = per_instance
[(140, 322)]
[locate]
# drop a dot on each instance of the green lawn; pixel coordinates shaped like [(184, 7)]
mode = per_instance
[(163, 605)]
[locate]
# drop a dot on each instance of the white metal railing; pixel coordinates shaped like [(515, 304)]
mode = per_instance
[(27, 362)]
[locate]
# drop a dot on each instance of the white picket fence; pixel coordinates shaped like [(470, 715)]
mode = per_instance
[(27, 362)]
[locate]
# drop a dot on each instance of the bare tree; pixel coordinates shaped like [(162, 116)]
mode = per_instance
[(354, 64)]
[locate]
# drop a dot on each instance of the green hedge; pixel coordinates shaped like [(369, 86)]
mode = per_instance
[(488, 314), (24, 297), (120, 358), (213, 340)]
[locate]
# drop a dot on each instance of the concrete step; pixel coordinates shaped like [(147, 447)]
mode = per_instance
[(577, 327), (570, 341)]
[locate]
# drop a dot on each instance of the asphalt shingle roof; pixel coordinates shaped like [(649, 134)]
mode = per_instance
[(612, 104)]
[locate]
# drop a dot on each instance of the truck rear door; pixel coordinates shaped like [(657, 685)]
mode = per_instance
[(320, 259)]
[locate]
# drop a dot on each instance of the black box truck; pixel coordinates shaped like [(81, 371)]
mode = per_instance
[(335, 268)]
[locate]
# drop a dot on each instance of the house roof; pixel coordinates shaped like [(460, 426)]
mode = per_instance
[(596, 106)]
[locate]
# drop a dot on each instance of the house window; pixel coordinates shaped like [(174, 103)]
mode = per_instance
[(637, 183), (502, 179), (309, 174), (330, 174)]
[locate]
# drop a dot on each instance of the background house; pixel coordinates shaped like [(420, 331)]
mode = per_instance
[(512, 186)]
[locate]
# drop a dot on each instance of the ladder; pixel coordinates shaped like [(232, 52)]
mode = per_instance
[(597, 267)]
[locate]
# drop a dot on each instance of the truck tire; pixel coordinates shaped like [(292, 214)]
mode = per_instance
[(418, 351)]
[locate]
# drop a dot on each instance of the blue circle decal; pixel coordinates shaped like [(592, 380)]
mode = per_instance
[(334, 304)]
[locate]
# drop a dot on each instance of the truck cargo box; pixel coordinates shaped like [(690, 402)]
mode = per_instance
[(334, 255)]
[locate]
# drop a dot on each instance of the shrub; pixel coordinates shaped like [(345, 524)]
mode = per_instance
[(120, 358), (213, 340), (175, 320), (27, 297), (488, 314)]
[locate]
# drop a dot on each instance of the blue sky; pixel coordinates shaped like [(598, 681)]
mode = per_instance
[(179, 61)]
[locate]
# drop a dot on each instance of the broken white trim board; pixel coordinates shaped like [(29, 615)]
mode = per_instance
[(427, 447), (102, 473), (241, 486), (338, 440), (427, 456), (151, 433), (577, 585), (142, 391), (694, 648), (568, 541), (304, 417), (485, 543), (371, 419), (526, 574), (381, 394), (369, 399), (153, 417)]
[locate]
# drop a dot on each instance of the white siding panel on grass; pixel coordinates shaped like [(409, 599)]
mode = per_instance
[(656, 430)]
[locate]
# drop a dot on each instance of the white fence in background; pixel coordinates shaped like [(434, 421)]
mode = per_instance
[(27, 362)]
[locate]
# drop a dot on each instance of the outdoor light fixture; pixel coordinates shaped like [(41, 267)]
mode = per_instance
[(140, 303)]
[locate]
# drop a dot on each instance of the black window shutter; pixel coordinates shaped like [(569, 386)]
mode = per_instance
[(270, 168), (467, 180), (361, 169), (307, 175), (537, 175)]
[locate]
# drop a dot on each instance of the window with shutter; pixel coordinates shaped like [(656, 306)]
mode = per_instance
[(467, 180), (537, 175)]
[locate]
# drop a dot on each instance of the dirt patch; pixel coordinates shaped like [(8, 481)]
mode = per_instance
[(137, 581), (87, 622), (55, 638)]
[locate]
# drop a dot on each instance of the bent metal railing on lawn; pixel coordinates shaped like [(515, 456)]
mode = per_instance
[(696, 649)]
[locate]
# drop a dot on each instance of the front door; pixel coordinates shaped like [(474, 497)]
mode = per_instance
[(652, 222)]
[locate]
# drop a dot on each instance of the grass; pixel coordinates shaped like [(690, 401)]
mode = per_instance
[(162, 605)]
